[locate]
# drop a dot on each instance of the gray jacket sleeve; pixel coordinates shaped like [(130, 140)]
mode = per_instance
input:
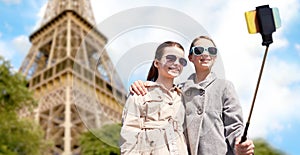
[(232, 114)]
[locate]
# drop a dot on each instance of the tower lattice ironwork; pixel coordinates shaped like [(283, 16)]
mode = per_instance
[(71, 75)]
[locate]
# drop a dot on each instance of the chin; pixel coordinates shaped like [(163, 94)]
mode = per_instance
[(174, 75)]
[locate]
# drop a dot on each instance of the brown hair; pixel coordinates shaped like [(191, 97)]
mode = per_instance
[(198, 38), (153, 72)]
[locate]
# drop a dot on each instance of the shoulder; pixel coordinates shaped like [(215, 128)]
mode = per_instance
[(228, 84), (224, 82), (154, 93)]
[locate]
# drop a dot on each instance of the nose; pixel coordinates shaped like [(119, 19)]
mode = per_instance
[(176, 62), (205, 52)]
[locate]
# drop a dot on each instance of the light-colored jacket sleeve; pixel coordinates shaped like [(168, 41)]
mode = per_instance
[(131, 125), (232, 114)]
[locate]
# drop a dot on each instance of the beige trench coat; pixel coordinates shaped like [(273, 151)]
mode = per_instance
[(153, 124)]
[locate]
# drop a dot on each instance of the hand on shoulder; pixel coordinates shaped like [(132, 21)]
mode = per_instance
[(139, 87)]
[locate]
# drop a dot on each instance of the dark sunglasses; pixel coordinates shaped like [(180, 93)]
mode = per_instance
[(198, 50), (173, 58)]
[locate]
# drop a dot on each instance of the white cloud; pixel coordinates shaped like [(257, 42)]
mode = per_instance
[(15, 50), (39, 16), (8, 27), (35, 3), (11, 1), (277, 103), (21, 44), (5, 51), (297, 46)]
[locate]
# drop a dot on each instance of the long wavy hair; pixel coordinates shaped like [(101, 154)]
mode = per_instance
[(153, 72)]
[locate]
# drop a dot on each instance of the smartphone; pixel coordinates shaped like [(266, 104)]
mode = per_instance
[(276, 17), (252, 22)]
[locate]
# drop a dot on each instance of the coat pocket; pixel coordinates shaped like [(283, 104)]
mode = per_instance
[(151, 105)]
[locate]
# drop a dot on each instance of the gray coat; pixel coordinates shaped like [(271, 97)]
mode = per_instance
[(213, 116)]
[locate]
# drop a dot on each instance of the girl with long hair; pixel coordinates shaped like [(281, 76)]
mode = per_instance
[(153, 123)]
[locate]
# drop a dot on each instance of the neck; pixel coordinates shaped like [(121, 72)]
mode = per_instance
[(201, 75), (167, 82)]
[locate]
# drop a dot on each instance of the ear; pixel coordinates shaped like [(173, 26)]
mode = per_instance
[(190, 57), (156, 63)]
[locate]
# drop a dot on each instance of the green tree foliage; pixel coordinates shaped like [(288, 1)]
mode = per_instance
[(13, 91), (263, 148), (19, 136), (101, 142)]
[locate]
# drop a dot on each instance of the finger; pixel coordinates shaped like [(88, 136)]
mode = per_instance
[(245, 148), (145, 84), (248, 152), (134, 90), (141, 88), (237, 140), (245, 152), (130, 90), (247, 143)]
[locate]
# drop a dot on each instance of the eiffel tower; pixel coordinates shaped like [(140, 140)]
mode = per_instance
[(71, 75)]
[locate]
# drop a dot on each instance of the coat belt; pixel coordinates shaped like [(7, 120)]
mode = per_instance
[(169, 126)]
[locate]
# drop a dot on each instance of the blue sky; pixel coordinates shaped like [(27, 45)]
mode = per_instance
[(275, 115)]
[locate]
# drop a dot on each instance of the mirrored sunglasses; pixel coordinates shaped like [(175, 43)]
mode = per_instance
[(198, 50), (173, 58)]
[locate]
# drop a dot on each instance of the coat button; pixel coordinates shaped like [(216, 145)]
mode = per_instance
[(201, 92), (188, 93), (199, 111), (152, 143)]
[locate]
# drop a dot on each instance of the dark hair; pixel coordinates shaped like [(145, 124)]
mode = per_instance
[(198, 38), (153, 72)]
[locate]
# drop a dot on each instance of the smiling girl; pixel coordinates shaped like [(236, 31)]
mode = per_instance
[(153, 124)]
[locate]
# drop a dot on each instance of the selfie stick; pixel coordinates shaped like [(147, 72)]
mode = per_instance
[(264, 20)]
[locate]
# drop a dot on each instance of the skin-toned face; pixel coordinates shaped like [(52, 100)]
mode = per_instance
[(167, 68), (204, 61)]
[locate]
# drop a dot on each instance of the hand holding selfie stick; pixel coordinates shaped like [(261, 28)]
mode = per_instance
[(264, 20)]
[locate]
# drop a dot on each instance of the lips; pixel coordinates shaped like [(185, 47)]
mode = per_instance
[(205, 60), (174, 68)]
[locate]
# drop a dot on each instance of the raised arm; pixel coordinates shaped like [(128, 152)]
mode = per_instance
[(233, 122), (232, 114)]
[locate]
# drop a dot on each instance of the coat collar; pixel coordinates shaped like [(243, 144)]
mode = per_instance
[(190, 83), (155, 84)]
